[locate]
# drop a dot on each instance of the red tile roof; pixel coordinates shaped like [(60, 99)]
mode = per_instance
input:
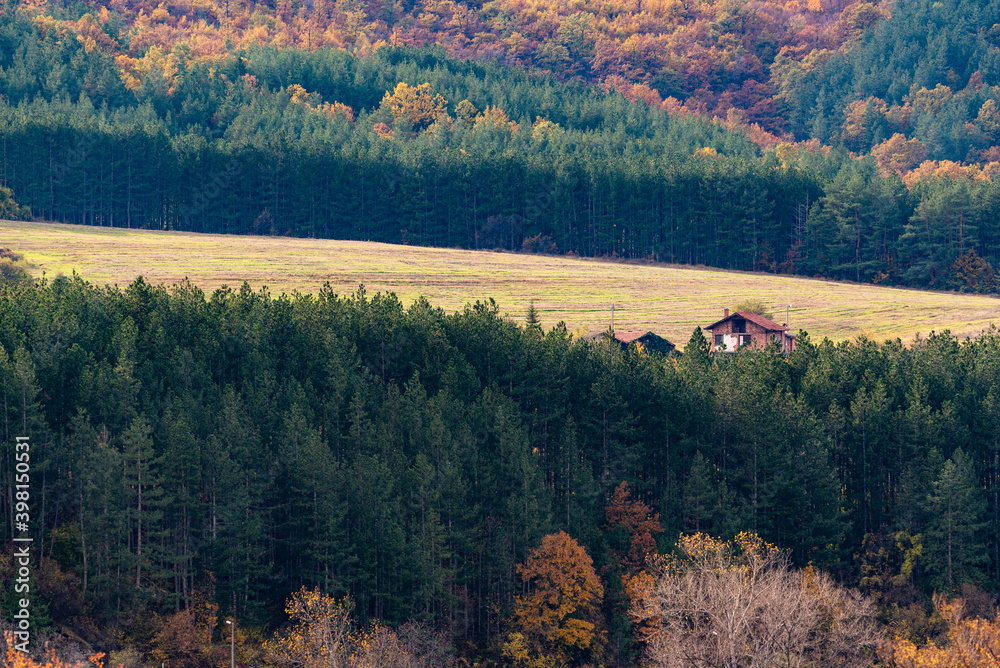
[(760, 320), (629, 337)]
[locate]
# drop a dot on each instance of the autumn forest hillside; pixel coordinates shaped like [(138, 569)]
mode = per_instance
[(851, 141)]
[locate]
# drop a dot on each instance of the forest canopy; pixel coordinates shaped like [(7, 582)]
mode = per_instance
[(413, 460), (410, 145)]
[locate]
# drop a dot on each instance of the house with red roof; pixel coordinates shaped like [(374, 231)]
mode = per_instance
[(739, 330)]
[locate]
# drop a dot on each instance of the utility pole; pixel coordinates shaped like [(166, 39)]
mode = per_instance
[(232, 644), (612, 318)]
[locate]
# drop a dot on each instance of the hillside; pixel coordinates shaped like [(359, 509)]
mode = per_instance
[(412, 146), (849, 73), (198, 457), (670, 300)]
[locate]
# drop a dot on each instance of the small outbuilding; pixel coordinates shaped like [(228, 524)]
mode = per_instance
[(738, 330), (648, 340)]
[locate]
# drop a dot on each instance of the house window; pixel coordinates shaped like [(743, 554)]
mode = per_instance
[(739, 326), (718, 340), (746, 339)]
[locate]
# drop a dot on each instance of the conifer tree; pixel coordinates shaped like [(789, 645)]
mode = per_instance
[(956, 551)]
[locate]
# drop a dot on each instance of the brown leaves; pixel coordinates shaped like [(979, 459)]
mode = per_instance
[(558, 617), (973, 273), (638, 521)]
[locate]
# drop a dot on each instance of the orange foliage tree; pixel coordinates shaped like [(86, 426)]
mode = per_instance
[(639, 523), (186, 637), (898, 155), (558, 620), (972, 643), (12, 658)]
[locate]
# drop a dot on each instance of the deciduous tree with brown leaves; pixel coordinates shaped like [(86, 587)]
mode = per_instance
[(638, 521), (558, 620)]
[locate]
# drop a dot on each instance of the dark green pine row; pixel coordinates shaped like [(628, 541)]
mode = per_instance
[(412, 458), (224, 154)]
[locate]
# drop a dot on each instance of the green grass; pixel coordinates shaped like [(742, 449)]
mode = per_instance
[(669, 300)]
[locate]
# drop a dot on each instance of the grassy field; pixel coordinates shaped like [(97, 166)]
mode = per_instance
[(669, 300)]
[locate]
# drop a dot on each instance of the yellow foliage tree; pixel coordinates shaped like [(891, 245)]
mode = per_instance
[(299, 95), (321, 636), (415, 103), (929, 100), (557, 620), (858, 118), (972, 643), (495, 117), (988, 120)]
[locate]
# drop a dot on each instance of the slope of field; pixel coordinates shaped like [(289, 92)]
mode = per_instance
[(666, 299)]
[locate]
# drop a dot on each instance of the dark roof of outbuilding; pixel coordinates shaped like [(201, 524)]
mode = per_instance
[(629, 337), (760, 320), (626, 338)]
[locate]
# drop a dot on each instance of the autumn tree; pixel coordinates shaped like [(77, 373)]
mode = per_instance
[(630, 529), (738, 603), (972, 642), (186, 638), (973, 273), (639, 524), (13, 267), (416, 104), (324, 636), (557, 622), (321, 634), (898, 155), (495, 118), (10, 209)]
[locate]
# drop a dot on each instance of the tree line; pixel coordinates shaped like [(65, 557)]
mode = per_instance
[(240, 446)]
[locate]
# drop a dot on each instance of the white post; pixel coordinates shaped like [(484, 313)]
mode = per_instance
[(232, 644)]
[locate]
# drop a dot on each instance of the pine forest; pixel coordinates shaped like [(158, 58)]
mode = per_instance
[(234, 477)]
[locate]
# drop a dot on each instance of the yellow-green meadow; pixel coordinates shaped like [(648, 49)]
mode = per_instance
[(669, 300)]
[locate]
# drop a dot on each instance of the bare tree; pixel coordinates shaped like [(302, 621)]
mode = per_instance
[(739, 605)]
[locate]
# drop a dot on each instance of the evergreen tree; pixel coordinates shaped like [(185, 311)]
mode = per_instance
[(956, 549)]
